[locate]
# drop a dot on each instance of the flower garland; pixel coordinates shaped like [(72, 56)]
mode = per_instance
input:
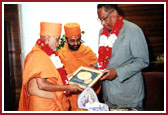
[(44, 47), (107, 39), (56, 61), (61, 70)]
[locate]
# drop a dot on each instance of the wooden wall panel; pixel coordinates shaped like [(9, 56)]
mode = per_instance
[(12, 37), (150, 17)]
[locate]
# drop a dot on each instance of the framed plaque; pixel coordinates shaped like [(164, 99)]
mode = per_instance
[(85, 77)]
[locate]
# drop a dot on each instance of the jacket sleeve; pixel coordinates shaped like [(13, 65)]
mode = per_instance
[(140, 56)]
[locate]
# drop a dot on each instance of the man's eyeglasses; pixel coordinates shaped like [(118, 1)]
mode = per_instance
[(105, 18)]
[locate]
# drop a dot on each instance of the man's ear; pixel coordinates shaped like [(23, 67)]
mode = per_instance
[(47, 38), (115, 13), (66, 40)]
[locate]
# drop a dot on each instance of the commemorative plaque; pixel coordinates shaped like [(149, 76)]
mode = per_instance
[(85, 77)]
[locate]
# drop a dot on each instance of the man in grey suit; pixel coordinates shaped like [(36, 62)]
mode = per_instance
[(123, 53)]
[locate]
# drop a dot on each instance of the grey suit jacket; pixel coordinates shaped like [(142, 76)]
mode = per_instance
[(129, 57)]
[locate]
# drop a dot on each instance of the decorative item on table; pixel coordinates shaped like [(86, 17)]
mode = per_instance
[(160, 58), (85, 77), (88, 100)]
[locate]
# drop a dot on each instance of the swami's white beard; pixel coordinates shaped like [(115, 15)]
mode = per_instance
[(55, 49)]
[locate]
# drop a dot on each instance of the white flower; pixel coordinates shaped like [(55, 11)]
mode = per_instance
[(56, 61), (103, 40), (107, 41), (111, 40)]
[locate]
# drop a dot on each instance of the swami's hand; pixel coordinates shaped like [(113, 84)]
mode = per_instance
[(92, 66), (109, 74), (70, 75), (75, 88)]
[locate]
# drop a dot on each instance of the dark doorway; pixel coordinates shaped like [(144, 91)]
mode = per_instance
[(9, 84)]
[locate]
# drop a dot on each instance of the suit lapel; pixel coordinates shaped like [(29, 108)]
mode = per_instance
[(119, 39)]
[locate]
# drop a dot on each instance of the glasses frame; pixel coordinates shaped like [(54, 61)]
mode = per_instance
[(105, 18)]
